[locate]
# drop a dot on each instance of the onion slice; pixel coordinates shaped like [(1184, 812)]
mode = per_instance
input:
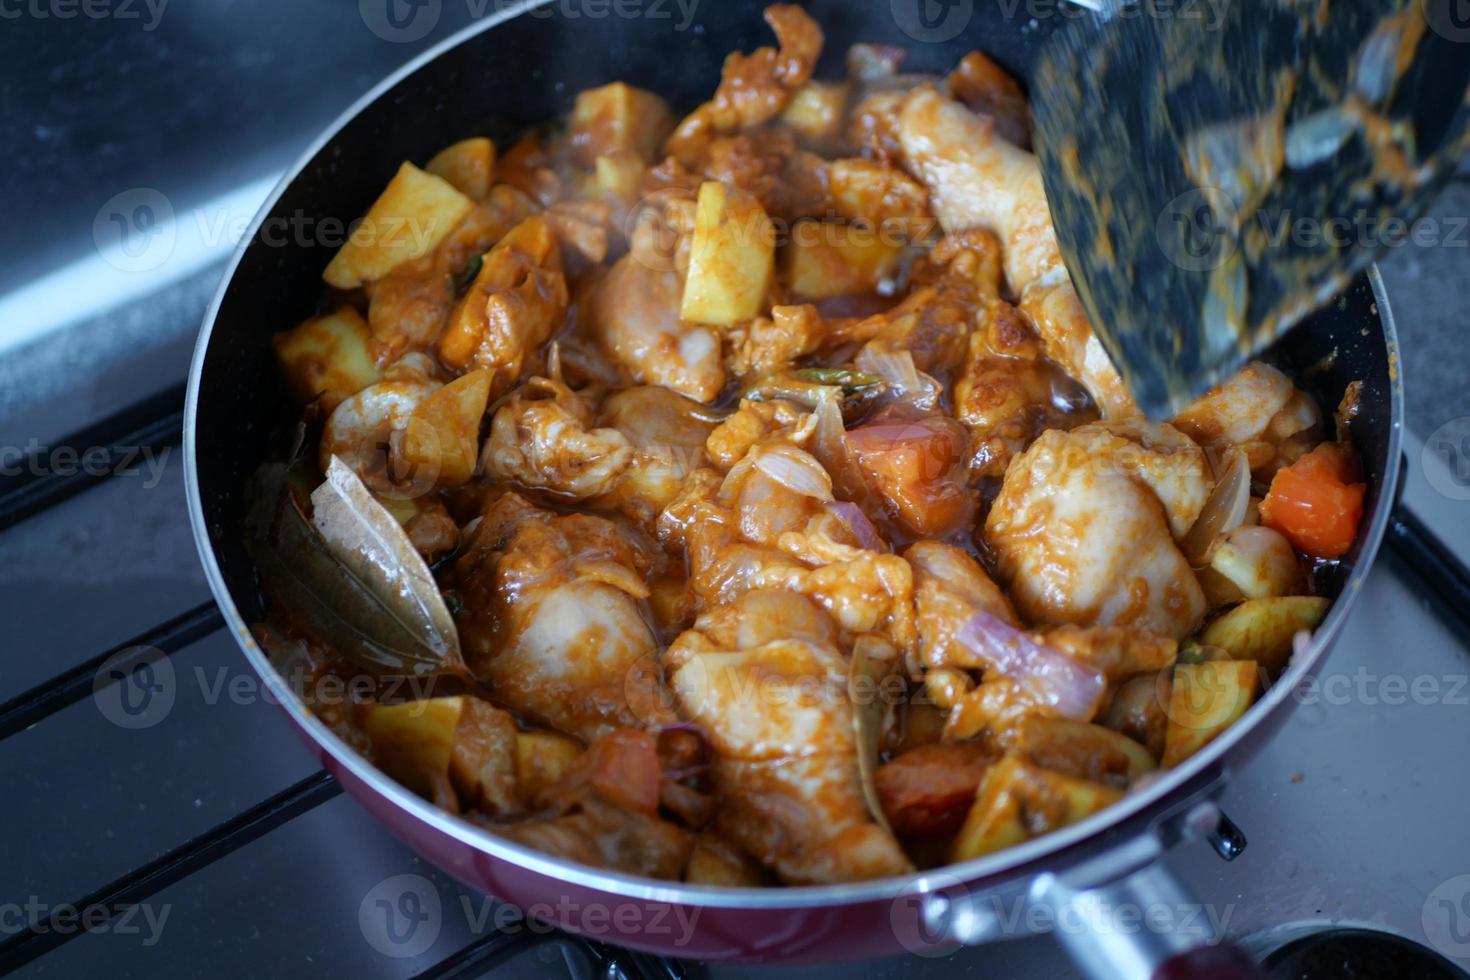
[(853, 518), (1224, 510), (1070, 688)]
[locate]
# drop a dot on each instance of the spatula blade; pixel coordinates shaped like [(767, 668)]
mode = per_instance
[(1217, 170)]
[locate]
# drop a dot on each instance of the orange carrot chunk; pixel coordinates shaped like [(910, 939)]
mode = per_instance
[(1317, 502)]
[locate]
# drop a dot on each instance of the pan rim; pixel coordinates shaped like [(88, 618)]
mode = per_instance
[(987, 871)]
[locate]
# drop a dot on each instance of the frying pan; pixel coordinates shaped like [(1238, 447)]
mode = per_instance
[(515, 69)]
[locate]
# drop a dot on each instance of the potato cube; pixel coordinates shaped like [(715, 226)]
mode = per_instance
[(1206, 699), (619, 117), (541, 760), (731, 258), (415, 213), (442, 439), (817, 112), (829, 258), (482, 764), (469, 165), (617, 175), (1262, 630), (1014, 790), (413, 741), (329, 357), (715, 861), (1083, 750)]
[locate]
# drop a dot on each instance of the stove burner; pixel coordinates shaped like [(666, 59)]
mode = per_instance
[(1358, 954)]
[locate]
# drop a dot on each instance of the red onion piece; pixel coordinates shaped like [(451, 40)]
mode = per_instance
[(853, 518), (1070, 688)]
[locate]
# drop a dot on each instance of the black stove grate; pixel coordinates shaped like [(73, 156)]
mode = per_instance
[(157, 424)]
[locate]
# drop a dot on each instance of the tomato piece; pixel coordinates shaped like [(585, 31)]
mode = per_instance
[(916, 467), (1317, 502), (927, 791), (622, 767)]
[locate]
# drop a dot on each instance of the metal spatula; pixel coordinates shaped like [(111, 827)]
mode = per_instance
[(1216, 170)]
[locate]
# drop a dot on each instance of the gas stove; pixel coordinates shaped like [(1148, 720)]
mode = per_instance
[(175, 825)]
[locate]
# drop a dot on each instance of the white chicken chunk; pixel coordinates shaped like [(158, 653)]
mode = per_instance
[(543, 438), (978, 180), (1086, 525), (667, 433), (1260, 412), (765, 680), (553, 620), (636, 315)]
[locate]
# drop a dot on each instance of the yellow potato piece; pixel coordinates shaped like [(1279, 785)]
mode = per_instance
[(818, 111), (1262, 629), (829, 258), (714, 861), (1206, 699), (442, 439), (619, 117), (328, 357), (731, 258), (542, 758), (1014, 788), (414, 740), (469, 165), (1081, 749), (415, 213)]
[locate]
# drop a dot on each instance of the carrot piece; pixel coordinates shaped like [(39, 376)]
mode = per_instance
[(1317, 502)]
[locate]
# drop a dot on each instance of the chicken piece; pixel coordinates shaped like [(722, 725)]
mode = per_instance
[(636, 316), (990, 710), (407, 308), (880, 196), (516, 303), (770, 344), (1259, 411), (1086, 525), (667, 433), (1120, 652), (542, 438), (1007, 393), (553, 620), (753, 422), (365, 429), (950, 587), (602, 835), (951, 288), (988, 90), (771, 690), (754, 88), (748, 531), (976, 179)]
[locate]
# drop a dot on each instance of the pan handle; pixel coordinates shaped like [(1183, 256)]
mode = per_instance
[(1120, 915), (1144, 923)]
